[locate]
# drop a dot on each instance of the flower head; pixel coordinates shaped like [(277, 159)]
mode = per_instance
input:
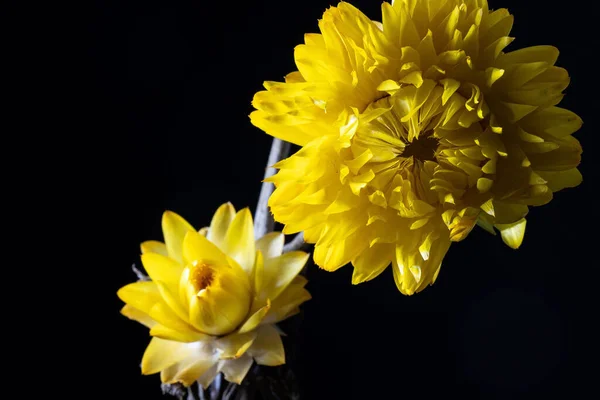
[(214, 298), (413, 130)]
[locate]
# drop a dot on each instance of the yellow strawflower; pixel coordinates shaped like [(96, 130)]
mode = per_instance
[(214, 298), (412, 131)]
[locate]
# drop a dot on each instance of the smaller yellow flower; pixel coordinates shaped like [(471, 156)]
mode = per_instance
[(214, 298)]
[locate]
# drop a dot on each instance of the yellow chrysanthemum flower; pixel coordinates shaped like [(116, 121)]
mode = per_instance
[(214, 298), (412, 131)]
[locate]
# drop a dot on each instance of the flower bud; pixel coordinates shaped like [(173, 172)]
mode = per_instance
[(218, 297)]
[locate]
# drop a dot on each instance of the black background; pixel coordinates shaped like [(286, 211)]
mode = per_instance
[(174, 83)]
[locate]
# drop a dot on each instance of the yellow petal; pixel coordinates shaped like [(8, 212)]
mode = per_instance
[(207, 377), (515, 112), (286, 303), (196, 247), (547, 54), (161, 313), (174, 229), (507, 213), (559, 180), (567, 156), (239, 240), (255, 319), (512, 234), (141, 295), (404, 285), (161, 268), (220, 223), (172, 301), (292, 134), (388, 85), (153, 246), (187, 336), (340, 252), (492, 75), (484, 184), (259, 275), (372, 262), (280, 271), (271, 244), (161, 354), (137, 315), (235, 344), (554, 121), (222, 307), (484, 223), (189, 373), (450, 87), (235, 370), (201, 361), (267, 348)]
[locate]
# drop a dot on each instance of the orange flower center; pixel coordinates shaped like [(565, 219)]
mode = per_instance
[(201, 276)]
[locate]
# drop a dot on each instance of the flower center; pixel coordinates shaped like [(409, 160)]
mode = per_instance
[(422, 148), (420, 144), (201, 276)]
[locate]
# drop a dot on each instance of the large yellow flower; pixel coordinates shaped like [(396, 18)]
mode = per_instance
[(214, 298), (412, 131)]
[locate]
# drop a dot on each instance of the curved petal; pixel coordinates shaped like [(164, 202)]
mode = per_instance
[(141, 295), (559, 180), (187, 336), (235, 345), (154, 246), (161, 354), (512, 234), (188, 373), (372, 262), (267, 349), (217, 312), (271, 244), (162, 313), (255, 319), (235, 370), (398, 273), (412, 274), (174, 229), (209, 376), (161, 268), (220, 224), (197, 247), (279, 272), (339, 253), (258, 275), (200, 359), (172, 301), (288, 301), (239, 240), (137, 315)]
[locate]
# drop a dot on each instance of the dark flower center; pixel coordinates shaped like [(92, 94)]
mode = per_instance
[(422, 149)]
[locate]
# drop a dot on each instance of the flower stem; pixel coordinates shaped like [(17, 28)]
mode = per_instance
[(263, 220), (295, 244), (140, 275)]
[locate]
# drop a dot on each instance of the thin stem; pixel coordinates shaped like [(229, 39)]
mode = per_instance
[(140, 275), (216, 386), (296, 243), (175, 390), (263, 220)]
